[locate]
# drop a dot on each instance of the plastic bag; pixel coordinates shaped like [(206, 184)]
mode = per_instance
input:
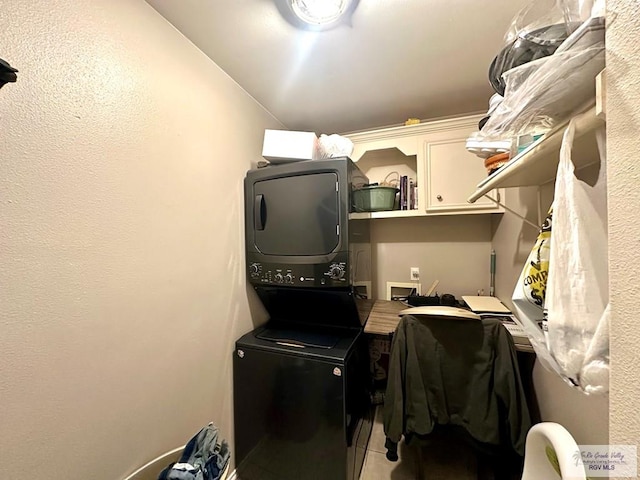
[(543, 93), (536, 32), (534, 45), (552, 52), (577, 296), (561, 299), (539, 14), (334, 146)]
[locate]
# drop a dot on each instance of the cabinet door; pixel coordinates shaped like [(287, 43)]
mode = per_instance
[(452, 173)]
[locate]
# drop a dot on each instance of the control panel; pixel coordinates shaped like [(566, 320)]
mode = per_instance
[(333, 274)]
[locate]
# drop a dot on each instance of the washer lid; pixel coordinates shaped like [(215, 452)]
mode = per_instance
[(299, 338)]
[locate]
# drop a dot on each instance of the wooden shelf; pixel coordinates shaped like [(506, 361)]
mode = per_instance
[(386, 214), (538, 164), (384, 317)]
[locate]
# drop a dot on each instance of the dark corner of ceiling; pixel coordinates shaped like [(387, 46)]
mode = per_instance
[(7, 73)]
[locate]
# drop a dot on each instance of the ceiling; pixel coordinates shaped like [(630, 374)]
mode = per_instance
[(394, 60)]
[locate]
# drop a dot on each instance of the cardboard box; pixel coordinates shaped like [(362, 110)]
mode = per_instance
[(282, 146)]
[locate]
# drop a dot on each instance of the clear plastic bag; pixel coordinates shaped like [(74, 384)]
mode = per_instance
[(553, 50), (536, 32), (541, 13), (544, 93)]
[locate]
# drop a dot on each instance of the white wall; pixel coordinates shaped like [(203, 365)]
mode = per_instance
[(452, 249), (122, 284), (623, 144)]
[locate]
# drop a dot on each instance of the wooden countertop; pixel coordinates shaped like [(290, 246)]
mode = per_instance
[(384, 317)]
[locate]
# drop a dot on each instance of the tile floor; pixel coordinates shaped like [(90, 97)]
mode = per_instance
[(446, 458), (444, 461)]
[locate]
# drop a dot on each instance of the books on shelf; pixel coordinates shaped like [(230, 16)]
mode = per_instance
[(408, 193)]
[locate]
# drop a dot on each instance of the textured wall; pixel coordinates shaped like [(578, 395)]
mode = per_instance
[(623, 145), (454, 249), (122, 150)]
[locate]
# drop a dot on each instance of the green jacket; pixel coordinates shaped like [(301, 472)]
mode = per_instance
[(455, 372)]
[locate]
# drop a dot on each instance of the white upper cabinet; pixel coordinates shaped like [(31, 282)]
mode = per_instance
[(451, 172), (435, 156)]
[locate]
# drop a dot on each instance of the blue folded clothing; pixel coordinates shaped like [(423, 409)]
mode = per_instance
[(203, 458)]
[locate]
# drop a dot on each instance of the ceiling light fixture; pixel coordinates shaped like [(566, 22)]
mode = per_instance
[(316, 14), (319, 12)]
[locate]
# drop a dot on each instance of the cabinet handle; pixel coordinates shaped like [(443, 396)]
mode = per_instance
[(439, 197)]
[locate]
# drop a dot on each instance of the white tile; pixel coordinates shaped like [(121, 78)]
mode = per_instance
[(376, 441), (378, 438), (443, 460), (377, 467)]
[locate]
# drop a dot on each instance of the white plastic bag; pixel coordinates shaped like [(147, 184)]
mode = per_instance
[(577, 296), (334, 146), (561, 298)]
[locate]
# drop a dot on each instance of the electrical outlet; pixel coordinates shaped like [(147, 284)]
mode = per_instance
[(415, 273)]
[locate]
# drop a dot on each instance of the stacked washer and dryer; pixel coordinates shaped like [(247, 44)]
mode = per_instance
[(301, 382)]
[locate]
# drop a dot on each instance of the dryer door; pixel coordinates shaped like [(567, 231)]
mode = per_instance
[(297, 215)]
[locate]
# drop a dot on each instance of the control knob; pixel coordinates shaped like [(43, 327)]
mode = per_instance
[(254, 269), (336, 272), (288, 278), (278, 277)]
